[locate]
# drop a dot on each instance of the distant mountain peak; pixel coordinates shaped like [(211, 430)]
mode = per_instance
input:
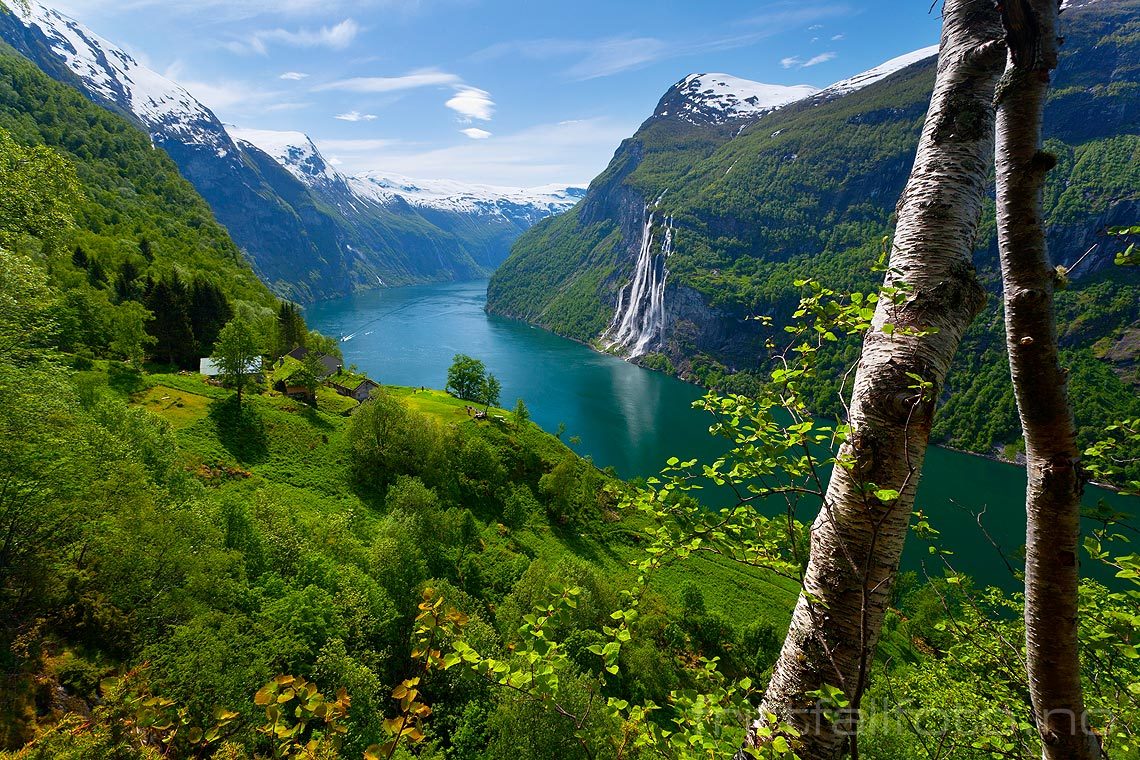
[(297, 153), (715, 98)]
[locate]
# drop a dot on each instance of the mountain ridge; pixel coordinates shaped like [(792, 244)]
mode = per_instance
[(307, 239)]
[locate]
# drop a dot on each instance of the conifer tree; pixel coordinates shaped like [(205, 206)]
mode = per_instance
[(291, 330), (127, 286), (174, 337), (210, 310)]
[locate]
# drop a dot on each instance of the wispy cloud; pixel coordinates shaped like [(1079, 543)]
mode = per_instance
[(356, 116), (815, 60), (472, 103), (796, 62), (836, 37), (410, 81), (612, 55), (335, 37), (475, 133), (293, 76)]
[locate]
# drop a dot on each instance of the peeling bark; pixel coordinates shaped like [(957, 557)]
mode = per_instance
[(1053, 496), (857, 540)]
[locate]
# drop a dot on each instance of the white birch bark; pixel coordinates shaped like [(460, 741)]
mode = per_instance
[(1053, 496), (857, 540)]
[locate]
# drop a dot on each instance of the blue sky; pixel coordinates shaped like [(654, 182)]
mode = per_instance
[(494, 91)]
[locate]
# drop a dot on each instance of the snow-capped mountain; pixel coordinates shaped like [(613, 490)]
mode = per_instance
[(459, 197), (717, 98), (309, 231), (112, 75), (703, 99), (297, 153)]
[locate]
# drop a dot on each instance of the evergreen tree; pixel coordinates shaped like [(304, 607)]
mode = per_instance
[(96, 274), (79, 258), (210, 310), (174, 337), (127, 286), (146, 250), (291, 329)]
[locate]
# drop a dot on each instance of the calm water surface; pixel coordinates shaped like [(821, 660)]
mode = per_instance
[(629, 418)]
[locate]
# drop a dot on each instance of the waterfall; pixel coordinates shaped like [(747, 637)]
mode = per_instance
[(639, 319)]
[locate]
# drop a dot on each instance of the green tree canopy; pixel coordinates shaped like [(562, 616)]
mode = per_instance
[(237, 353), (466, 378)]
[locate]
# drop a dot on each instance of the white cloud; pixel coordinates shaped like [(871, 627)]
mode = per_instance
[(475, 133), (795, 62), (818, 59), (356, 116), (815, 27), (410, 81), (836, 37), (336, 37), (293, 76), (472, 103), (287, 106)]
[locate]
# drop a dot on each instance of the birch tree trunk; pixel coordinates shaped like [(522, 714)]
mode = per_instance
[(1053, 496), (857, 539)]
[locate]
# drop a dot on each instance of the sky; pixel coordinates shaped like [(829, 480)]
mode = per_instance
[(499, 92)]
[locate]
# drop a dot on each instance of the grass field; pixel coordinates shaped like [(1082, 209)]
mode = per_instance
[(298, 456)]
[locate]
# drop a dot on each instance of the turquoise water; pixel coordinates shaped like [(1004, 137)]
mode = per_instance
[(633, 419)]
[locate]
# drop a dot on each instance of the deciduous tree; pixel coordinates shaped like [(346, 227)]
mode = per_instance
[(237, 353)]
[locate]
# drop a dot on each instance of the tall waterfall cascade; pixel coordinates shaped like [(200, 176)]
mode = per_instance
[(639, 319)]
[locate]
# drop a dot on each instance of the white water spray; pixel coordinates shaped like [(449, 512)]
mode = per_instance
[(640, 316)]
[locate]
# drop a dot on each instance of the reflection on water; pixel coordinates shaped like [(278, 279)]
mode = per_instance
[(633, 419)]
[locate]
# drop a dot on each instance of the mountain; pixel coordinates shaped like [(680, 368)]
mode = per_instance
[(486, 219), (133, 205), (710, 213), (307, 231)]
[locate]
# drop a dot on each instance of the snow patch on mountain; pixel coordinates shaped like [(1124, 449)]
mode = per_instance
[(300, 156), (114, 75), (716, 98), (294, 151), (461, 197), (880, 72)]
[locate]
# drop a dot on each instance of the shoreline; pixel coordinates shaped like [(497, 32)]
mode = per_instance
[(993, 457)]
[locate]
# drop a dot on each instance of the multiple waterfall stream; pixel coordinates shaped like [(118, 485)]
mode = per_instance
[(639, 319)]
